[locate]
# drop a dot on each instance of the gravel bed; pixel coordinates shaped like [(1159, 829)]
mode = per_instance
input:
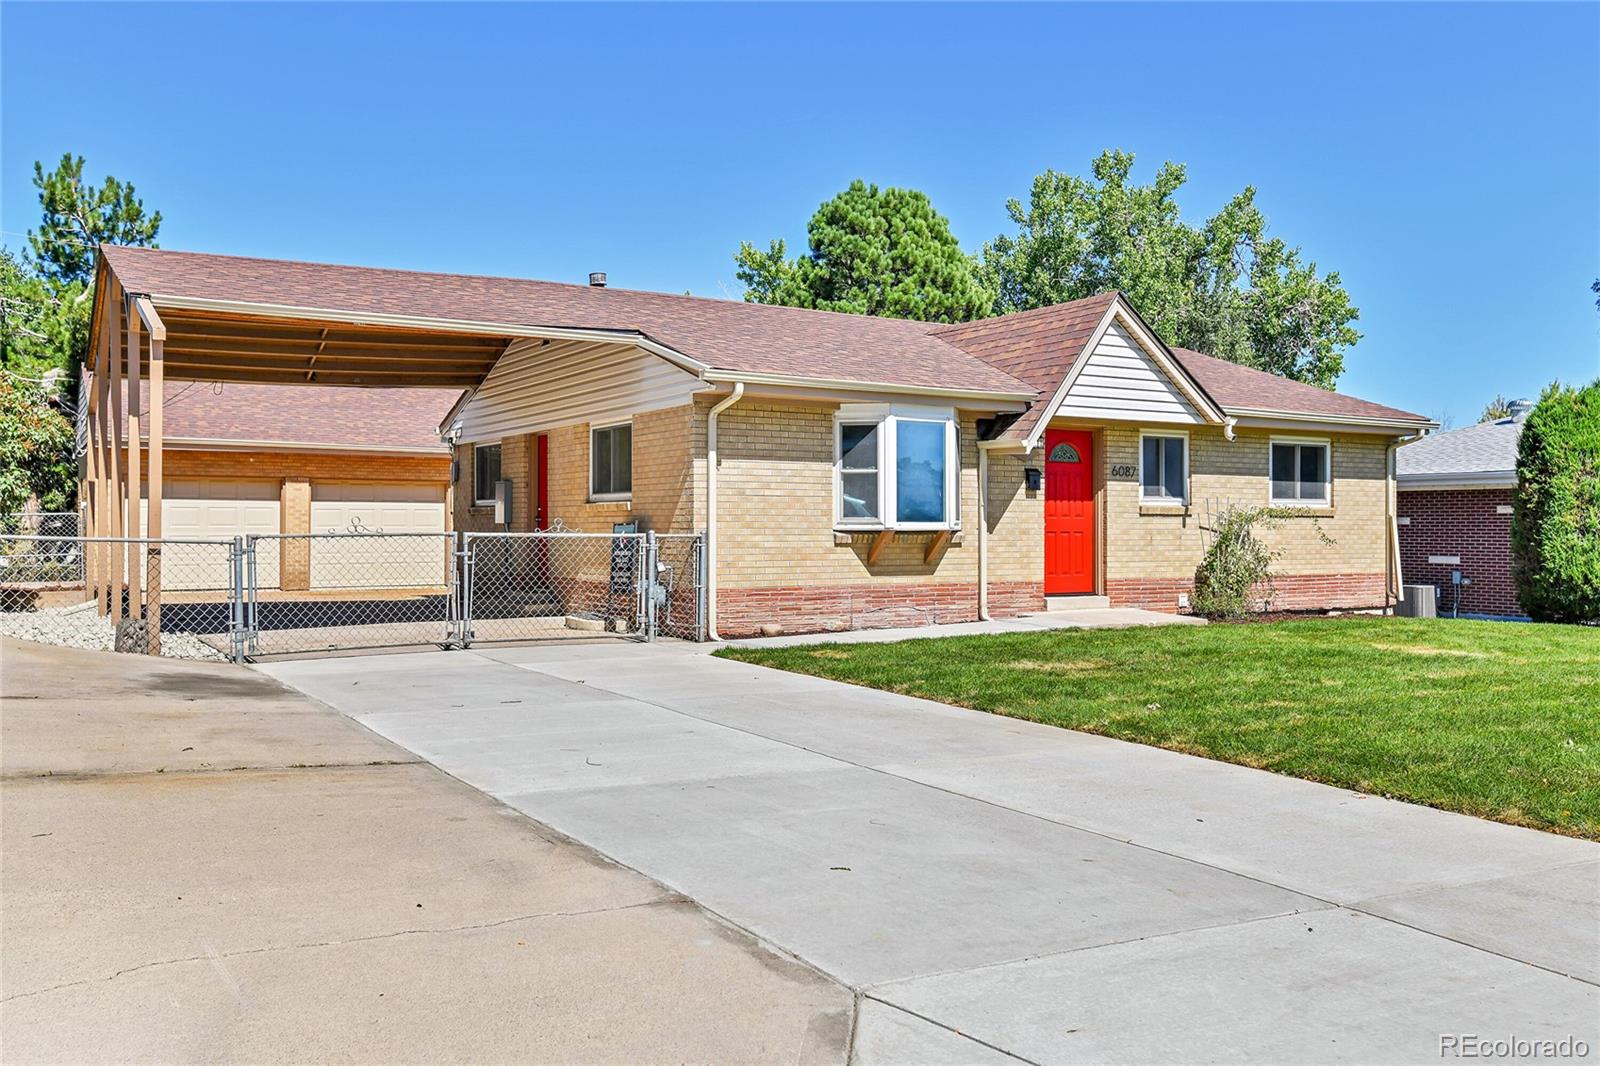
[(80, 627)]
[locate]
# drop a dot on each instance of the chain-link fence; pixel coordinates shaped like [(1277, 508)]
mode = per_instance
[(189, 602), (286, 594), (308, 592)]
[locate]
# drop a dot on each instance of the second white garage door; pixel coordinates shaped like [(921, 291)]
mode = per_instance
[(402, 562)]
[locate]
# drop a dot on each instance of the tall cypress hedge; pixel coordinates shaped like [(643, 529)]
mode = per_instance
[(1555, 522)]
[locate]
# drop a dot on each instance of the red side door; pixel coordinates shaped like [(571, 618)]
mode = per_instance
[(1068, 511), (541, 480)]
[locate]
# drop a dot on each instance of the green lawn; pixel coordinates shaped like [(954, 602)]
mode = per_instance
[(1500, 720)]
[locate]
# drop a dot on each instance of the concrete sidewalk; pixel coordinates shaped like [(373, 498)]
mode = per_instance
[(995, 888), (201, 865), (1085, 618)]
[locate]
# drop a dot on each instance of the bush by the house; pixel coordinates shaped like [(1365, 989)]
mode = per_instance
[(1555, 523), (1236, 572)]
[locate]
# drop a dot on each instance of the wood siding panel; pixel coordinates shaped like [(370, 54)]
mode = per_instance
[(538, 386), (1120, 381)]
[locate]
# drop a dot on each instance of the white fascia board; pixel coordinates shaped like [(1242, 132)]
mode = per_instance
[(1265, 418), (884, 387), (1468, 479), (442, 325), (218, 444)]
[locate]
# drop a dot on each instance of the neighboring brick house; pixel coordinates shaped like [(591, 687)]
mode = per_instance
[(284, 459), (851, 471), (1455, 497)]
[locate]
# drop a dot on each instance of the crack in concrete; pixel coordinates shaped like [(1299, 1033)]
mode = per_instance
[(214, 956), (113, 775)]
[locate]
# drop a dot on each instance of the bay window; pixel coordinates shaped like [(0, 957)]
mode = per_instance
[(1164, 468), (1300, 473), (895, 467)]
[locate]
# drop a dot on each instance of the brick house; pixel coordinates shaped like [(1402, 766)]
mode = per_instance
[(852, 471), (245, 458), (1455, 494)]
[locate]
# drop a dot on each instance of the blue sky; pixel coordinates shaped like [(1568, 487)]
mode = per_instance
[(1445, 159)]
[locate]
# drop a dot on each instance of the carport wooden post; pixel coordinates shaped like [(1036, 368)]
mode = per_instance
[(135, 550), (118, 511), (158, 338), (93, 573)]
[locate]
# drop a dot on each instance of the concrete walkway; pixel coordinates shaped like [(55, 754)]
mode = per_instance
[(996, 889), (202, 865), (1089, 618)]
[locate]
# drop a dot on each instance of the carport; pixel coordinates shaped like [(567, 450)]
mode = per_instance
[(159, 317)]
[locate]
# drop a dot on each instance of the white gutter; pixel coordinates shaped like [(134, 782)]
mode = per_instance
[(845, 385), (1410, 425), (711, 507), (1460, 479)]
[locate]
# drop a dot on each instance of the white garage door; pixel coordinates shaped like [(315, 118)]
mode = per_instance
[(209, 510), (398, 562)]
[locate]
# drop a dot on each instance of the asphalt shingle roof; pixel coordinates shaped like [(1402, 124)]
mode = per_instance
[(1488, 448), (1022, 354)]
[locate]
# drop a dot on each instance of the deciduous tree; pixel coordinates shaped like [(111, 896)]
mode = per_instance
[(1226, 287)]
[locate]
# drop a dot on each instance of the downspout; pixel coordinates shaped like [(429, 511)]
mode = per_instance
[(983, 533), (711, 507)]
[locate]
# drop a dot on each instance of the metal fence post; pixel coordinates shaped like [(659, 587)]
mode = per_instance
[(652, 573), (236, 634), (700, 586), (467, 565), (250, 602)]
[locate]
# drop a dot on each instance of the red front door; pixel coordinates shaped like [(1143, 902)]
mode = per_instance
[(541, 480), (1068, 511)]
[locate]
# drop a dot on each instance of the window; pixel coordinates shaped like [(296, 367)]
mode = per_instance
[(485, 472), (896, 467), (1300, 473), (611, 462), (1164, 469)]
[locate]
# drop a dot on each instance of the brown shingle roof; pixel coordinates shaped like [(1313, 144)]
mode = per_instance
[(1026, 353), (723, 334), (1038, 346), (402, 419), (1242, 387)]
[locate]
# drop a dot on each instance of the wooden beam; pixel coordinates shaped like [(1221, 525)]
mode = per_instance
[(119, 478), (186, 346), (936, 545), (135, 551), (291, 375), (879, 542), (157, 484), (301, 332)]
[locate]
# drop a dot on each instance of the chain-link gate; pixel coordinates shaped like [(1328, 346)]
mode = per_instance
[(310, 592), (285, 594)]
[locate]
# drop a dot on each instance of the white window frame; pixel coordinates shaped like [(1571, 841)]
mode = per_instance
[(478, 501), (886, 417), (1327, 484), (1168, 434), (610, 497)]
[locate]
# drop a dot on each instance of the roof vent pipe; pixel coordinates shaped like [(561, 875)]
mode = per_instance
[(597, 279), (1519, 409)]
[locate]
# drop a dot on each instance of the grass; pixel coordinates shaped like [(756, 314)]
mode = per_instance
[(1495, 719)]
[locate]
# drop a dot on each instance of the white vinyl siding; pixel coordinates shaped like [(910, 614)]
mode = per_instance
[(1121, 381), (537, 386)]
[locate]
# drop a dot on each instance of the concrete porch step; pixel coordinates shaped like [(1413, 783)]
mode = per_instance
[(1081, 602)]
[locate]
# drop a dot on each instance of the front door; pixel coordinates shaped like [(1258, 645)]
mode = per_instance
[(1068, 511)]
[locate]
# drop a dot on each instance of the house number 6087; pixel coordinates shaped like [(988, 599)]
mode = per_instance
[(1123, 470)]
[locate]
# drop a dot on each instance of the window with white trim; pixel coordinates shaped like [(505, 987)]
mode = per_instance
[(1300, 473), (611, 462), (485, 472), (896, 467), (1163, 468)]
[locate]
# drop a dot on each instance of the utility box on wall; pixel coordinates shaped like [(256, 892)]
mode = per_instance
[(502, 503)]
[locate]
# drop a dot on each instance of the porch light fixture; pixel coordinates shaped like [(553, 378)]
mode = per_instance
[(1035, 478)]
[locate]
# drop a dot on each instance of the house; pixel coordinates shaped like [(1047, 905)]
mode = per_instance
[(245, 458), (846, 471), (1455, 494)]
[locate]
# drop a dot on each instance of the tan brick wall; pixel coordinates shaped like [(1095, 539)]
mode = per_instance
[(294, 555), (663, 477), (1140, 543)]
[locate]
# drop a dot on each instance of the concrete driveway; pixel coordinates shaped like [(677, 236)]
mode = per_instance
[(201, 865), (994, 888)]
